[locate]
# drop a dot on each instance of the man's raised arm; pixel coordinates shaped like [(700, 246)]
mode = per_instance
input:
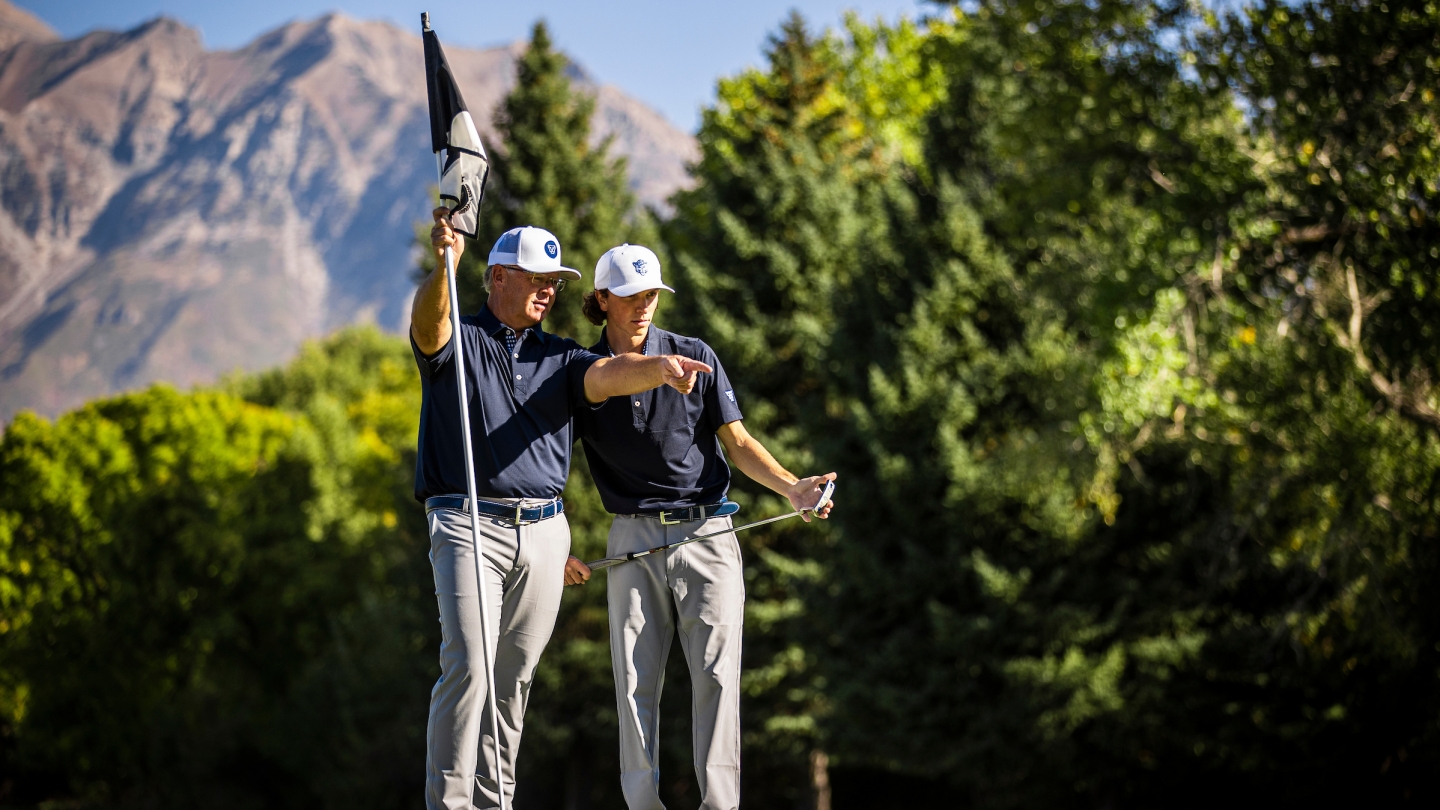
[(632, 373), (430, 312)]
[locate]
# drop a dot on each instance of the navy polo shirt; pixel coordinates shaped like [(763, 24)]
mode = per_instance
[(658, 450), (520, 411)]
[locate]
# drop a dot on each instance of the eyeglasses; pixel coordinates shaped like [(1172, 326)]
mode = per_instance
[(538, 280)]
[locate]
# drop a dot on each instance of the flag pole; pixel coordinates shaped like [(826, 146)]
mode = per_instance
[(470, 492)]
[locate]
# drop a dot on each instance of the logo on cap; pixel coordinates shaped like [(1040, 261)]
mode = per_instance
[(639, 265), (551, 249)]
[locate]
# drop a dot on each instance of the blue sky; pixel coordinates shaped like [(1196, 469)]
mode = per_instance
[(667, 53)]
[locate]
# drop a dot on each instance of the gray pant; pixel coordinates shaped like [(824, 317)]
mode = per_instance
[(702, 584), (525, 573)]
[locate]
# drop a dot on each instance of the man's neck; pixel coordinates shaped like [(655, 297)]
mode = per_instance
[(517, 321), (624, 344)]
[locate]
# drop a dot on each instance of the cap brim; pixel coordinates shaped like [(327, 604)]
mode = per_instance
[(640, 286), (550, 268)]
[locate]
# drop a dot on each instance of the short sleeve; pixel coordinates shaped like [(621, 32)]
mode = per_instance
[(578, 361), (430, 365), (721, 406)]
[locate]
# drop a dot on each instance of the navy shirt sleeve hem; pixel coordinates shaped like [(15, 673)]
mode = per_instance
[(578, 366), (431, 364)]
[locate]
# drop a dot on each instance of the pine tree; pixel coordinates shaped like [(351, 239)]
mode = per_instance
[(546, 173), (788, 211)]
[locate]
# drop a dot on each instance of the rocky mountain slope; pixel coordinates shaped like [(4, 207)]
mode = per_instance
[(171, 213)]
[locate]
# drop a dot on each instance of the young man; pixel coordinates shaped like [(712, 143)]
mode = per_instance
[(524, 387), (656, 460)]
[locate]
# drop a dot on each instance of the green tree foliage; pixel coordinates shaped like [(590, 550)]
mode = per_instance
[(1346, 115), (1062, 422), (1100, 559), (212, 602)]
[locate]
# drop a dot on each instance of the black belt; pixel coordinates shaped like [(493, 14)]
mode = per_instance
[(516, 514), (670, 516)]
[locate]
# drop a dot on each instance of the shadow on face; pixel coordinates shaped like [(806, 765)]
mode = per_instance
[(520, 298), (631, 315)]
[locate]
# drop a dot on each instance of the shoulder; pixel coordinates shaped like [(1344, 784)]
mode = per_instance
[(691, 347), (568, 348)]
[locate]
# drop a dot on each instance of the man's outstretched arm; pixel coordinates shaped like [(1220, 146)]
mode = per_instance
[(747, 453), (632, 373), (430, 312)]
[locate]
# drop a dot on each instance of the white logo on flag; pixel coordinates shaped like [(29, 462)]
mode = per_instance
[(463, 176)]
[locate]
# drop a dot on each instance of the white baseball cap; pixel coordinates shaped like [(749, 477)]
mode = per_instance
[(628, 269), (534, 249)]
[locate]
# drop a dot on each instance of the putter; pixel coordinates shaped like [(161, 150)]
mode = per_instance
[(825, 495)]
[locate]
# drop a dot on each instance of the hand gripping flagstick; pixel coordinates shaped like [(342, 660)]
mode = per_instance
[(624, 558), (462, 182)]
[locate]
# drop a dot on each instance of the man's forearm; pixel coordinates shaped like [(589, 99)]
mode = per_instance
[(623, 375), (751, 457), (430, 313)]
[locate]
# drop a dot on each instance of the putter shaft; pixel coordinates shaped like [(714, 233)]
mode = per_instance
[(609, 561), (635, 555)]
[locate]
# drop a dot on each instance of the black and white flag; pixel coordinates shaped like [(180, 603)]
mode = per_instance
[(452, 129)]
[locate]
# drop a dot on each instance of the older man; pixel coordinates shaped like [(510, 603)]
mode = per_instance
[(525, 385), (656, 460)]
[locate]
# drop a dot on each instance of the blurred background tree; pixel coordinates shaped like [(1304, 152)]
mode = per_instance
[(212, 602), (1114, 317)]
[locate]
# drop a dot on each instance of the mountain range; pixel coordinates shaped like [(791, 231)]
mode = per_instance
[(173, 213)]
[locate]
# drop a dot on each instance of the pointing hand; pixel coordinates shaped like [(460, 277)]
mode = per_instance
[(681, 372)]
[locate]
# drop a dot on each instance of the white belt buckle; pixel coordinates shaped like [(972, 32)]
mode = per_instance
[(519, 507)]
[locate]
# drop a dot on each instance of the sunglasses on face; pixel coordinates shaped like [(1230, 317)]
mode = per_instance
[(538, 280)]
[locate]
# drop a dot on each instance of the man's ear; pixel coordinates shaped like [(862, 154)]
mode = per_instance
[(602, 297)]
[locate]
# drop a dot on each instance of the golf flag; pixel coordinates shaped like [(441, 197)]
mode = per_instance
[(452, 129)]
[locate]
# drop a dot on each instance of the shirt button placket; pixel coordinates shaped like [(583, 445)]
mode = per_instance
[(513, 342)]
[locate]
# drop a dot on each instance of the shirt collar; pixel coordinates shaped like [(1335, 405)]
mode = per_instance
[(491, 325)]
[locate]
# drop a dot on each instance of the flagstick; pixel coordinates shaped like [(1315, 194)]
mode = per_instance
[(474, 513)]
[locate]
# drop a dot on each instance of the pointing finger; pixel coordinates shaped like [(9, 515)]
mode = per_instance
[(695, 365)]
